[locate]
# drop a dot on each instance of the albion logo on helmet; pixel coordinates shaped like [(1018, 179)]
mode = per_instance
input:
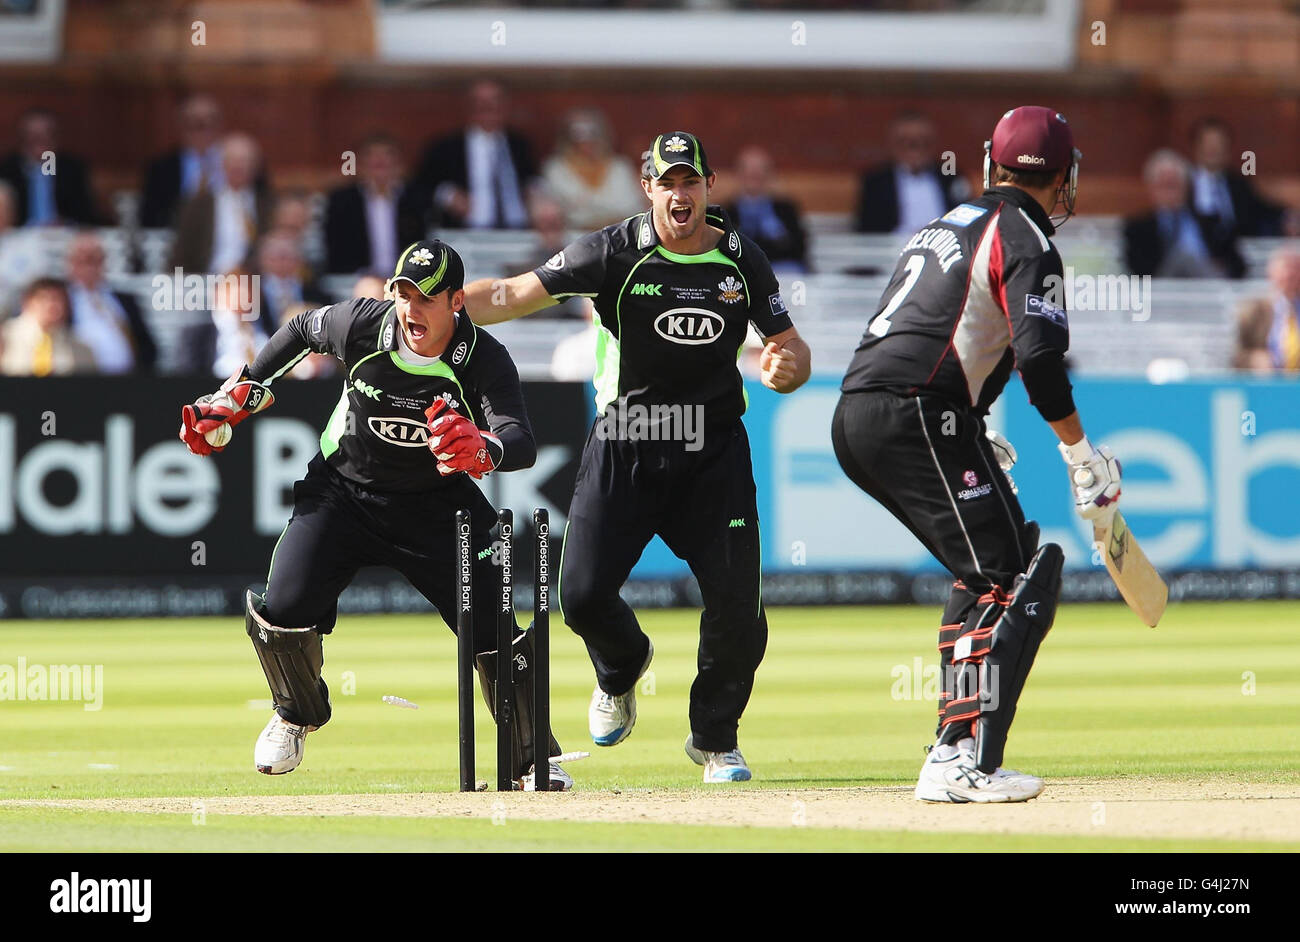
[(1031, 159), (405, 433), (689, 325)]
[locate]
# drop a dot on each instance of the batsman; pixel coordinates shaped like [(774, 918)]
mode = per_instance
[(975, 294), (429, 405)]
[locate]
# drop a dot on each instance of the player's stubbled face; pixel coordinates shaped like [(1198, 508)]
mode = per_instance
[(427, 323), (679, 198)]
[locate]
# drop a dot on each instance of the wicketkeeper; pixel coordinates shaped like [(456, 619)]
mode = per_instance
[(975, 294), (430, 404)]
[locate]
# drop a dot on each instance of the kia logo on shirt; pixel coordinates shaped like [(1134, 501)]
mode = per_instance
[(406, 433), (689, 325)]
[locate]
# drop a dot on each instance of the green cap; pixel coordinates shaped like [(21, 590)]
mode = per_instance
[(432, 266), (676, 149)]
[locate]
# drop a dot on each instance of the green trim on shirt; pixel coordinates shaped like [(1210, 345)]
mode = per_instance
[(334, 428)]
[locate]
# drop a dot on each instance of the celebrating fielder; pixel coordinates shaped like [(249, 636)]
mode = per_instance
[(674, 290), (976, 293), (429, 402)]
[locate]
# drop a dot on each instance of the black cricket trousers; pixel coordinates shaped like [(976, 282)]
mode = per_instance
[(926, 460), (703, 505), (338, 526)]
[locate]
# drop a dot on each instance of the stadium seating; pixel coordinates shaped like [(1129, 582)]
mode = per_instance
[(1188, 320)]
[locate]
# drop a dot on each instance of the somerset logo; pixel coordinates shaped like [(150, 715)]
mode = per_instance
[(77, 895)]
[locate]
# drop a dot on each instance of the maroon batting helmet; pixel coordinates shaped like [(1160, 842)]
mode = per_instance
[(1032, 137)]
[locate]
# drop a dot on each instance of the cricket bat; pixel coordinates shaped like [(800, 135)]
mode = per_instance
[(1135, 577)]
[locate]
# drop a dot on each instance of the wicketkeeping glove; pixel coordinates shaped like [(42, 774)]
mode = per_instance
[(237, 399), (1094, 478), (1006, 455), (459, 444)]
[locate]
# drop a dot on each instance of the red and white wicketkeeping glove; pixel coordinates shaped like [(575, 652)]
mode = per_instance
[(237, 399), (457, 443)]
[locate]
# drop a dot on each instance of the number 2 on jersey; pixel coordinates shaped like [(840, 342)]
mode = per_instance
[(880, 324)]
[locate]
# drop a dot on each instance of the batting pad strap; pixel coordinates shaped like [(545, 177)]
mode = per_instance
[(948, 635), (954, 711)]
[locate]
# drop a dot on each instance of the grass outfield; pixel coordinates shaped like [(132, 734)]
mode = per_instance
[(1210, 696)]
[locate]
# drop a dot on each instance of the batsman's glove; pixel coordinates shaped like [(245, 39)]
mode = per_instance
[(459, 444), (237, 399), (1005, 452), (1094, 479)]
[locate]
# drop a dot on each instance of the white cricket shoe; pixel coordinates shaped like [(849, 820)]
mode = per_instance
[(279, 749), (610, 719), (561, 781), (1030, 783), (949, 775), (719, 766)]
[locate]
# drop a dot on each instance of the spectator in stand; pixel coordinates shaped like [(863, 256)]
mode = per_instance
[(21, 257), (369, 286), (52, 187), (216, 229), (1268, 328), (1174, 240), (176, 176), (38, 342), (550, 226), (479, 177), (770, 220), (911, 190), (283, 284), (8, 208), (107, 322), (369, 222), (595, 186), (241, 328), (1220, 192)]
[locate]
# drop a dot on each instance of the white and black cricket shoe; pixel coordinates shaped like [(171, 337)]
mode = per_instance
[(280, 747), (949, 775), (609, 718), (561, 781)]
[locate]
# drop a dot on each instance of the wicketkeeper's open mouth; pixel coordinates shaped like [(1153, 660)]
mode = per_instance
[(416, 330), (680, 214)]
